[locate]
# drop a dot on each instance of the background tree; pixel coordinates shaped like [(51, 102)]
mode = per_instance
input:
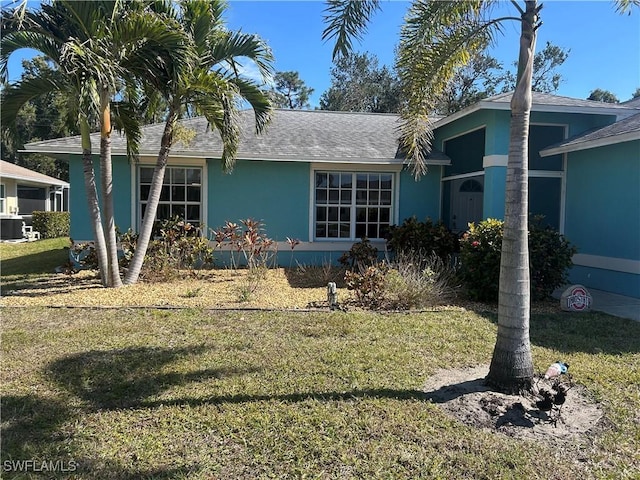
[(485, 76), (545, 77), (358, 84), (600, 95), (41, 118), (636, 94), (290, 91)]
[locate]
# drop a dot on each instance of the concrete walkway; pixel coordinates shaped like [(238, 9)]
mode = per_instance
[(613, 304)]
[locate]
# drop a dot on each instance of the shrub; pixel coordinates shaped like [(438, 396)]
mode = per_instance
[(480, 259), (403, 285), (549, 259), (51, 224), (248, 243), (368, 285), (419, 281), (415, 236), (178, 247), (361, 254)]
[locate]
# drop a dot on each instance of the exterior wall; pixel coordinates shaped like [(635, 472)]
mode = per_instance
[(11, 196), (603, 217), (276, 193), (420, 198), (279, 194), (81, 230)]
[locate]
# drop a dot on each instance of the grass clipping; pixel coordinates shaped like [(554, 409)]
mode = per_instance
[(270, 289)]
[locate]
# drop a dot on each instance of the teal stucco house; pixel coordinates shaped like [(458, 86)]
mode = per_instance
[(330, 178)]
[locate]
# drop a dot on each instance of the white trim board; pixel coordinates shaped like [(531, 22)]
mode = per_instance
[(622, 265)]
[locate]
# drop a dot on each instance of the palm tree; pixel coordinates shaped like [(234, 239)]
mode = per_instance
[(212, 88), (436, 39), (97, 46)]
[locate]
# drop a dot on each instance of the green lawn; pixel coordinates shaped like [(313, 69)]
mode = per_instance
[(195, 394), (42, 256)]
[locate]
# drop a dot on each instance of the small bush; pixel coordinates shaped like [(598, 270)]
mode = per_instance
[(361, 254), (51, 224), (248, 243), (419, 281), (410, 282), (549, 259), (179, 247), (368, 285), (428, 237), (480, 251)]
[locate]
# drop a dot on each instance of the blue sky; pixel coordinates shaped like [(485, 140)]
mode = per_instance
[(604, 45)]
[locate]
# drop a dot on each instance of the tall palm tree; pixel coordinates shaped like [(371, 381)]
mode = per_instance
[(437, 38), (212, 88), (97, 46)]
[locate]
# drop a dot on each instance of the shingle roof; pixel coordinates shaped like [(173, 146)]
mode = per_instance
[(546, 102), (11, 170), (292, 135), (624, 130)]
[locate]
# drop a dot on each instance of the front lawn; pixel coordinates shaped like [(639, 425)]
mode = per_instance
[(198, 394)]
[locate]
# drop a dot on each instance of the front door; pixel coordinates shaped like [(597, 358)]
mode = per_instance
[(466, 203)]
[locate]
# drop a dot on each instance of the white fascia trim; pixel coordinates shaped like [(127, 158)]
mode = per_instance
[(474, 129), (495, 161), (601, 142), (622, 265), (463, 175)]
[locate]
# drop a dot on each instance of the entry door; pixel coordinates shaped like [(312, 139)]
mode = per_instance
[(467, 204)]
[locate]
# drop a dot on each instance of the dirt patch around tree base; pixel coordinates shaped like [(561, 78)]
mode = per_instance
[(462, 394)]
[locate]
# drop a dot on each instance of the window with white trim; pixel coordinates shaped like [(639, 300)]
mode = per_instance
[(352, 205), (181, 194), (3, 201)]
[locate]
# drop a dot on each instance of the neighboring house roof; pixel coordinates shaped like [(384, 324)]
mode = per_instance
[(292, 135), (16, 172), (624, 130), (546, 102)]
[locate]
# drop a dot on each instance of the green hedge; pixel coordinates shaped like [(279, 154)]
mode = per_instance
[(51, 224)]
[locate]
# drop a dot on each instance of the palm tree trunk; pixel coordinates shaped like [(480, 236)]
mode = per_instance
[(512, 365), (106, 179), (146, 228), (94, 205)]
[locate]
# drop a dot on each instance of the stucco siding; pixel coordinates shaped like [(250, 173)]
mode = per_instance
[(80, 229), (420, 198), (603, 211), (276, 193)]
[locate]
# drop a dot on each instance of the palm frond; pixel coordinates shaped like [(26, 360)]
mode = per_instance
[(347, 20), (231, 46), (437, 39), (625, 6)]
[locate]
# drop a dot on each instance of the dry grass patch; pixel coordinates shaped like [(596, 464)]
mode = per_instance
[(205, 289)]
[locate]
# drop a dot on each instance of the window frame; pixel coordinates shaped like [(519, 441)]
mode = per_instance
[(353, 206), (169, 173), (3, 198)]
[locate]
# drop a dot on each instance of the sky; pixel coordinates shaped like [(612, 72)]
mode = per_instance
[(604, 45)]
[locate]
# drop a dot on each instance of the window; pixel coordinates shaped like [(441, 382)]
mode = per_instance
[(181, 194), (3, 201), (352, 205)]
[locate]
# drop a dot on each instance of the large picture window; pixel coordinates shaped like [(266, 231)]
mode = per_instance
[(181, 194), (352, 205)]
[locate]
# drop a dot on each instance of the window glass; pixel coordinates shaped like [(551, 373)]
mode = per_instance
[(352, 205), (181, 194)]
